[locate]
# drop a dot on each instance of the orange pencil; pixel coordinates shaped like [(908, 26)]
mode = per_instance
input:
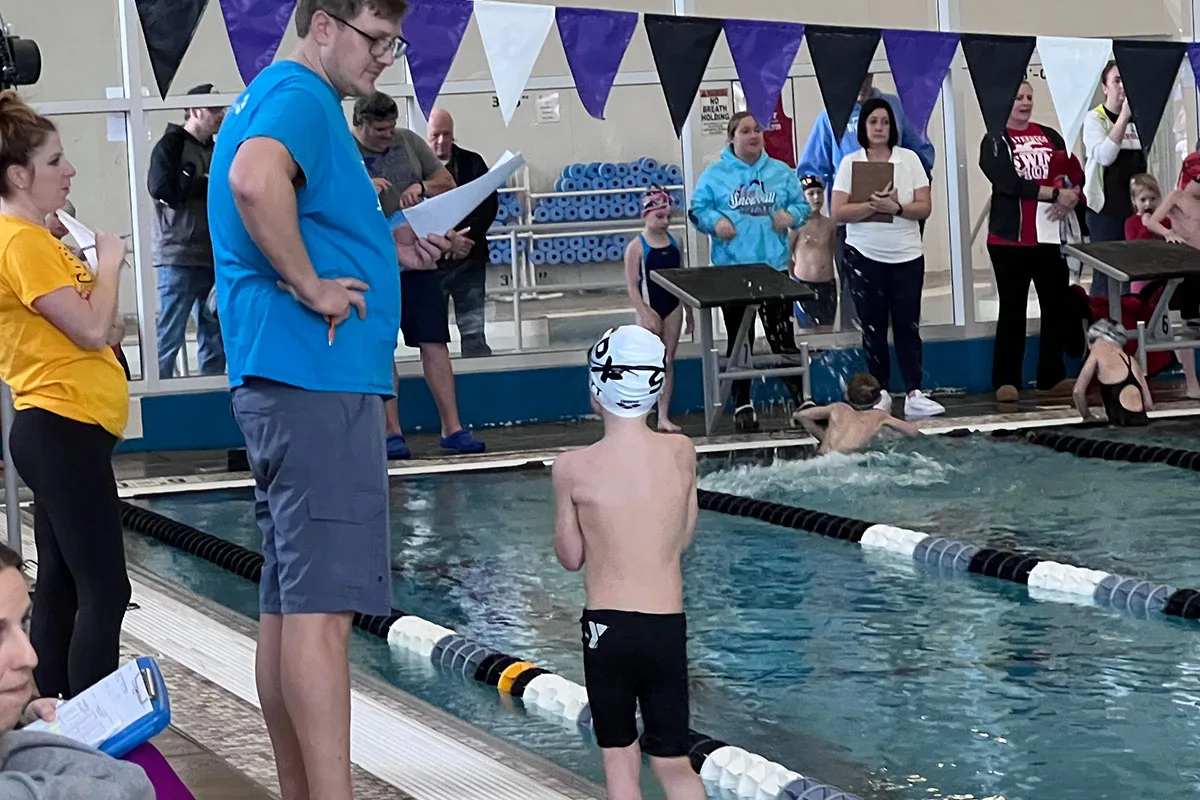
[(331, 328)]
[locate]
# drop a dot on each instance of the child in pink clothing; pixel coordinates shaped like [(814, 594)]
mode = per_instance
[(1146, 195)]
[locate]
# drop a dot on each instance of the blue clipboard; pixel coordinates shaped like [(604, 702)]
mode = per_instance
[(150, 725)]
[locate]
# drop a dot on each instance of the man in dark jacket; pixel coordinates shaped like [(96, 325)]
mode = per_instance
[(463, 271), (183, 254)]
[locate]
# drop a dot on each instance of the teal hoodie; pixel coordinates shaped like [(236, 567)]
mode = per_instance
[(748, 195)]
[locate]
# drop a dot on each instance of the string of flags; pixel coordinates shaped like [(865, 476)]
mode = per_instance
[(595, 40)]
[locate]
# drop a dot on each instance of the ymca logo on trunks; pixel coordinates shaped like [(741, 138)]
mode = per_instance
[(753, 199), (1031, 156), (594, 633)]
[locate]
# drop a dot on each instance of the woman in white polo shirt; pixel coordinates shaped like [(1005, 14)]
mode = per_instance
[(886, 259)]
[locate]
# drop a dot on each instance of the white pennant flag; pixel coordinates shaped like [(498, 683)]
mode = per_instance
[(1073, 68), (513, 34)]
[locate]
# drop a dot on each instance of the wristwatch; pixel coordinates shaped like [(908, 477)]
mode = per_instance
[(1054, 195)]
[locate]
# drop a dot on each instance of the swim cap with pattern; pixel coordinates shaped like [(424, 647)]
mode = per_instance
[(626, 368)]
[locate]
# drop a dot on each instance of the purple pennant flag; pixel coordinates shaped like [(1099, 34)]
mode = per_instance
[(920, 61), (1193, 52), (595, 42), (434, 29), (255, 29), (763, 52)]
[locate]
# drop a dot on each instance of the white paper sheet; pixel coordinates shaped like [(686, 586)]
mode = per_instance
[(445, 211), (104, 710), (83, 237)]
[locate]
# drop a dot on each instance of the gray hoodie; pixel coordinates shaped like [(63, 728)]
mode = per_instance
[(43, 766)]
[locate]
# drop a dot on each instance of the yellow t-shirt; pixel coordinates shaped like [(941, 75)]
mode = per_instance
[(44, 368)]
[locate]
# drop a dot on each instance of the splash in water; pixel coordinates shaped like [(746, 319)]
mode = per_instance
[(832, 471)]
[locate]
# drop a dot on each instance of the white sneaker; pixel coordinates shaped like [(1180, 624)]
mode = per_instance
[(885, 402), (918, 405)]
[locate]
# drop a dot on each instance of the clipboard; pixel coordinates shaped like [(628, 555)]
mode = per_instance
[(128, 708), (867, 178)]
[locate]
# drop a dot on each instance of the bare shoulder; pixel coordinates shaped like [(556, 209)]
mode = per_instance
[(565, 465), (684, 448), (634, 247)]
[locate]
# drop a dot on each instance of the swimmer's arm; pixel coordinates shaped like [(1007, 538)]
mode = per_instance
[(1154, 224), (261, 179), (1081, 387), (693, 511), (907, 428), (568, 538), (1147, 398), (633, 268), (810, 419)]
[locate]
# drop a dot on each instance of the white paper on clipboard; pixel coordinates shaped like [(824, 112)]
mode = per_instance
[(104, 710), (83, 237), (444, 212)]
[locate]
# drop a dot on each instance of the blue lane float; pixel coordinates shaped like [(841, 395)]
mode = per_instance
[(722, 767), (1045, 579)]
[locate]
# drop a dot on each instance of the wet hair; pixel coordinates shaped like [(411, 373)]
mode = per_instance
[(375, 107), (1108, 68), (864, 391), (345, 9), (869, 108), (9, 559), (734, 121), (1144, 182), (22, 132)]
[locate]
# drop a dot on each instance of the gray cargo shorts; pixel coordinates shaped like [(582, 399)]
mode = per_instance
[(320, 498)]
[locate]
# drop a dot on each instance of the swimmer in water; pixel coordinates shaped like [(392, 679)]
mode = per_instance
[(626, 512), (1123, 387), (851, 426), (811, 246)]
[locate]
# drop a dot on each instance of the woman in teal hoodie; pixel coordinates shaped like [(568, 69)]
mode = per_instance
[(747, 202)]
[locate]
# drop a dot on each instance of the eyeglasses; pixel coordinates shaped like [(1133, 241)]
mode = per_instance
[(380, 45)]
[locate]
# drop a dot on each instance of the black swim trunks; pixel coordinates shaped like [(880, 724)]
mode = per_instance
[(632, 659)]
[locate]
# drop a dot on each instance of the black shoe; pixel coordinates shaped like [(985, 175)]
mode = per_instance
[(745, 419)]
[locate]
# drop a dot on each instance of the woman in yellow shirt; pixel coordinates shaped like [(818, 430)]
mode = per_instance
[(57, 320)]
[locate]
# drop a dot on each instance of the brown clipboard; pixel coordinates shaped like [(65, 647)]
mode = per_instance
[(867, 178)]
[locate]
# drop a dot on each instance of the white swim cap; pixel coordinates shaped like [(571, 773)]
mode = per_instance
[(626, 370)]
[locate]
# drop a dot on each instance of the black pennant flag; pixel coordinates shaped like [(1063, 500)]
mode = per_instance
[(681, 48), (1149, 70), (841, 58), (169, 26), (997, 64)]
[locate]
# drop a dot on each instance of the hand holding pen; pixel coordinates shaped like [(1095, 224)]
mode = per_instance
[(333, 299)]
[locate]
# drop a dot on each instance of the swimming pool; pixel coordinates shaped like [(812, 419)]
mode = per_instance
[(869, 673)]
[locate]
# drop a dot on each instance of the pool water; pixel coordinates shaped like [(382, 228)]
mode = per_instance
[(870, 673)]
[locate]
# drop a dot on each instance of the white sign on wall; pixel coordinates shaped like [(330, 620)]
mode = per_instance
[(548, 108), (716, 109)]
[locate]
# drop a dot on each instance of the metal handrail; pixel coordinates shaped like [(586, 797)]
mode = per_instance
[(12, 506)]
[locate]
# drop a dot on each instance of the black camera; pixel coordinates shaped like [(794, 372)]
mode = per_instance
[(20, 59)]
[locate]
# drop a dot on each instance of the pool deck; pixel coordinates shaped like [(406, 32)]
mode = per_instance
[(404, 748)]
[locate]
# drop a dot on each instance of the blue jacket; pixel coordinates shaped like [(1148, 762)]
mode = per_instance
[(822, 157), (748, 195)]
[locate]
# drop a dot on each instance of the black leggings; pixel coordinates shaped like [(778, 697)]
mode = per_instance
[(781, 336), (82, 585), (1015, 267)]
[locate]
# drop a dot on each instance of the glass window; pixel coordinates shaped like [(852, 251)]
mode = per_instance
[(80, 46)]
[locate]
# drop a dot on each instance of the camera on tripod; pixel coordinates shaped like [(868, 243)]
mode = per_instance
[(20, 59)]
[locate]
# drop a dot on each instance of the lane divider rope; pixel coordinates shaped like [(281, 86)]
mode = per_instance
[(721, 766), (1105, 449), (1044, 578)]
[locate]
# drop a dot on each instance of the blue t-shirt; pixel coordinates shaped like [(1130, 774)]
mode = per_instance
[(267, 333)]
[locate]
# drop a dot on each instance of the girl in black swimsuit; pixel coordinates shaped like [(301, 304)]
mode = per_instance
[(1106, 359)]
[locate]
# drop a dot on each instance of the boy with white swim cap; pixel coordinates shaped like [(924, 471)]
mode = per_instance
[(626, 512)]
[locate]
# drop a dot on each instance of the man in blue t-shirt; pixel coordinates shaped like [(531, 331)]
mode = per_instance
[(308, 290)]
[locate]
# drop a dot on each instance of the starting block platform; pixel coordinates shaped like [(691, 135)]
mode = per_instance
[(706, 288), (1145, 260)]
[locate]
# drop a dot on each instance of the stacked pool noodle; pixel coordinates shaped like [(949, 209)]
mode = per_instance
[(509, 213), (622, 205)]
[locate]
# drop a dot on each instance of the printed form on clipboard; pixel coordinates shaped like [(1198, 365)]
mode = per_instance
[(124, 710)]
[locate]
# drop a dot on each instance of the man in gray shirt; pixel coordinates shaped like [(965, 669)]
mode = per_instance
[(178, 182)]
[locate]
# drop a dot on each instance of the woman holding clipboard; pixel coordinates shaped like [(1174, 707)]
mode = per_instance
[(881, 193)]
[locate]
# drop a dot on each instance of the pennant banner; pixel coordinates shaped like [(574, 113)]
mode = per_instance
[(1149, 70), (920, 62), (168, 27), (435, 30), (997, 65), (1073, 68), (778, 140), (255, 30), (841, 58), (681, 48), (1194, 58), (513, 35), (763, 53), (595, 41)]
